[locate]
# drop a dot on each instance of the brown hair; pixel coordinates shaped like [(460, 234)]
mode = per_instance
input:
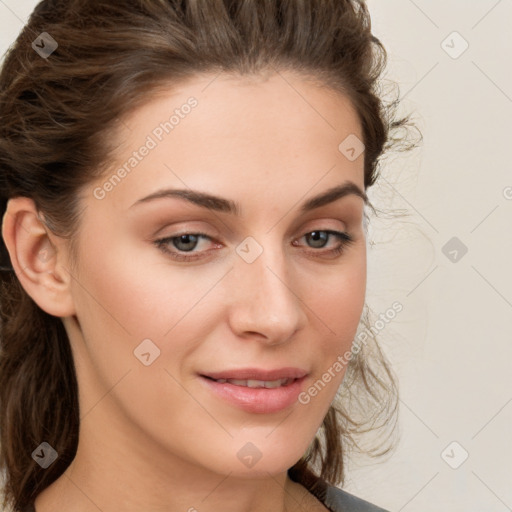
[(58, 115)]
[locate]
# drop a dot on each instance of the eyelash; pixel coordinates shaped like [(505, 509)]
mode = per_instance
[(163, 243)]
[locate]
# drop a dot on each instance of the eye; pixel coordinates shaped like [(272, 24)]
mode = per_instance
[(319, 237), (187, 242)]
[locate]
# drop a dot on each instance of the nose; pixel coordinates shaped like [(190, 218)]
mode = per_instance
[(264, 303)]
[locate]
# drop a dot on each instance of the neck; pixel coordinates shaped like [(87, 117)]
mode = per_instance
[(113, 471)]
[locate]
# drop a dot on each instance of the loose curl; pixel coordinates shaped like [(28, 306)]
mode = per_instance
[(57, 119)]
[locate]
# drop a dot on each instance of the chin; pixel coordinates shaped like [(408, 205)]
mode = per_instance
[(259, 459)]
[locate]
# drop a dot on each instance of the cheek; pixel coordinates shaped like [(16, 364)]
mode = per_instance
[(337, 300), (126, 298), (336, 305), (121, 303), (139, 299)]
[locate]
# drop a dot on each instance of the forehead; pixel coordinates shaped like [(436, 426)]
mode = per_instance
[(235, 135)]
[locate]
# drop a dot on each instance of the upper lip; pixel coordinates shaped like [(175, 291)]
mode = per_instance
[(258, 374)]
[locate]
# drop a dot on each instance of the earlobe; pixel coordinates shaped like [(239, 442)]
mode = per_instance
[(36, 259)]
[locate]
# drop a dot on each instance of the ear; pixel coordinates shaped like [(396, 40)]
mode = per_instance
[(38, 257)]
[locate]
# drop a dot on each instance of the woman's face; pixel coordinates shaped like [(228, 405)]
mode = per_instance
[(264, 288)]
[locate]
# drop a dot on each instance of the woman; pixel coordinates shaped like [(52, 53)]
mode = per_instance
[(137, 373)]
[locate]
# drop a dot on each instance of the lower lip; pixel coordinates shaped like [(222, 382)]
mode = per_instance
[(257, 400)]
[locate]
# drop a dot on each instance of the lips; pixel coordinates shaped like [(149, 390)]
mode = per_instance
[(257, 374), (257, 390), (254, 395), (253, 383)]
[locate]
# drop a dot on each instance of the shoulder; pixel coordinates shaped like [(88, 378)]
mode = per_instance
[(339, 500)]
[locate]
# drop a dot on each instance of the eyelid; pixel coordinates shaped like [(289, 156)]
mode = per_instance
[(187, 228)]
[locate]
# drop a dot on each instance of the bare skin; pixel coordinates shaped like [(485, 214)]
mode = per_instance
[(154, 437)]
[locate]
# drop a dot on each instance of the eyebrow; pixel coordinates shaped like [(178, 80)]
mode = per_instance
[(223, 205)]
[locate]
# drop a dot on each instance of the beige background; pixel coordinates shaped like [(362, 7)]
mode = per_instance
[(451, 346)]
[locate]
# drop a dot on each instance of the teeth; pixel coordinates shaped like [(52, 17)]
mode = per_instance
[(269, 384)]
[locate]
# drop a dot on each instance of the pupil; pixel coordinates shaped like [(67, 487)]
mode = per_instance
[(186, 239), (318, 236)]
